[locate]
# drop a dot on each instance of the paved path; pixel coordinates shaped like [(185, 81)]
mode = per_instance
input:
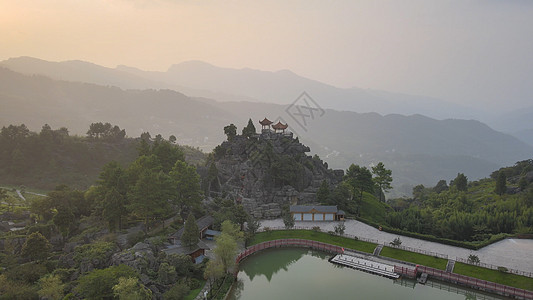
[(20, 195), (378, 249), (511, 253), (201, 293), (450, 265)]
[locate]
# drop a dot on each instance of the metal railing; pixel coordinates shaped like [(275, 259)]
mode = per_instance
[(440, 274), (476, 283), (411, 249), (493, 267), (286, 243), (350, 236), (420, 251)]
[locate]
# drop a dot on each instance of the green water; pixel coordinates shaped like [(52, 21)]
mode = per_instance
[(305, 274)]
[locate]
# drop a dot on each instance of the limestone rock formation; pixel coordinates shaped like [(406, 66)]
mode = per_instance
[(268, 171)]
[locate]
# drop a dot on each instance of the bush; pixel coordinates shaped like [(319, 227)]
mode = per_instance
[(340, 228), (98, 284), (135, 237), (194, 283), (46, 230), (36, 247), (64, 274), (468, 245), (109, 237), (28, 273), (177, 292), (223, 284), (503, 269), (16, 290), (473, 259), (51, 287), (316, 228), (131, 288), (94, 251)]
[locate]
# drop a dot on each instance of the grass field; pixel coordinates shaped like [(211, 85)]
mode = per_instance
[(494, 276), (314, 236), (416, 258)]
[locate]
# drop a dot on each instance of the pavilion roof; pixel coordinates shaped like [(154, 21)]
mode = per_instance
[(280, 126), (265, 122)]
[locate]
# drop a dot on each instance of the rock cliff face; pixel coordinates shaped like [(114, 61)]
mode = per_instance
[(267, 172)]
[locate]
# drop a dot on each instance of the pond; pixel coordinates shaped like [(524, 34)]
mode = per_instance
[(297, 273)]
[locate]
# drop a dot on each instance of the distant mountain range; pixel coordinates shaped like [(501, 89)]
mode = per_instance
[(418, 149), (200, 79)]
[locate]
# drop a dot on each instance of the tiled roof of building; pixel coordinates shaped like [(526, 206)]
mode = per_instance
[(202, 223), (280, 126), (265, 122), (178, 248), (309, 208)]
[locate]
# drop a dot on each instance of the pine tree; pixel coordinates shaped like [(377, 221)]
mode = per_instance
[(501, 184), (460, 182), (323, 192), (190, 235), (36, 247), (383, 179), (249, 130)]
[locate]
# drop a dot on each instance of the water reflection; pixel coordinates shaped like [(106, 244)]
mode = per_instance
[(273, 263), (305, 274)]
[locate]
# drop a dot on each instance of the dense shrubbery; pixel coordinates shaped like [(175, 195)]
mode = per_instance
[(477, 214), (52, 157), (94, 251), (98, 284)]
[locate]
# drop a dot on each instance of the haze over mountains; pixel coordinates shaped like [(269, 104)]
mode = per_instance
[(418, 149), (200, 79)]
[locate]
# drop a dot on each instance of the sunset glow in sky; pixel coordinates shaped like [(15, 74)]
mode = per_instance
[(475, 52)]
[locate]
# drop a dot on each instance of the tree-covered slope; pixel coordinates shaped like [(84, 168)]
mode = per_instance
[(52, 157), (472, 211)]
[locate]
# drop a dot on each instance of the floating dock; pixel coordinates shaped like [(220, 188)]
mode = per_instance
[(365, 265)]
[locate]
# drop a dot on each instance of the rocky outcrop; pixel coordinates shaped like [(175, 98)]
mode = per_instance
[(270, 171), (143, 258), (140, 257), (12, 245)]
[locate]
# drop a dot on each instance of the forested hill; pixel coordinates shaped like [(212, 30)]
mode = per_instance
[(52, 157), (417, 149), (470, 210)]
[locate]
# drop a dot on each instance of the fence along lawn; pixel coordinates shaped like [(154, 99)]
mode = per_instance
[(314, 236), (416, 258), (514, 280), (509, 279)]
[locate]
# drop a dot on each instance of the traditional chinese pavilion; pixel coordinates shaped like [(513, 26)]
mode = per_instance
[(280, 127), (265, 124)]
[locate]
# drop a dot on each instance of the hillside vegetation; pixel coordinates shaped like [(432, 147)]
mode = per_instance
[(52, 157), (470, 211), (417, 149)]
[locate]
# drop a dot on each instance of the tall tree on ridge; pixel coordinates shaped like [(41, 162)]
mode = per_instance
[(383, 178)]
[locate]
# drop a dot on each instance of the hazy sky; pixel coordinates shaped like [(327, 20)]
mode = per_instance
[(475, 52)]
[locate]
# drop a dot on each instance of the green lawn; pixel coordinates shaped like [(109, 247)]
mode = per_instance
[(193, 293), (416, 258), (314, 236), (518, 281)]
